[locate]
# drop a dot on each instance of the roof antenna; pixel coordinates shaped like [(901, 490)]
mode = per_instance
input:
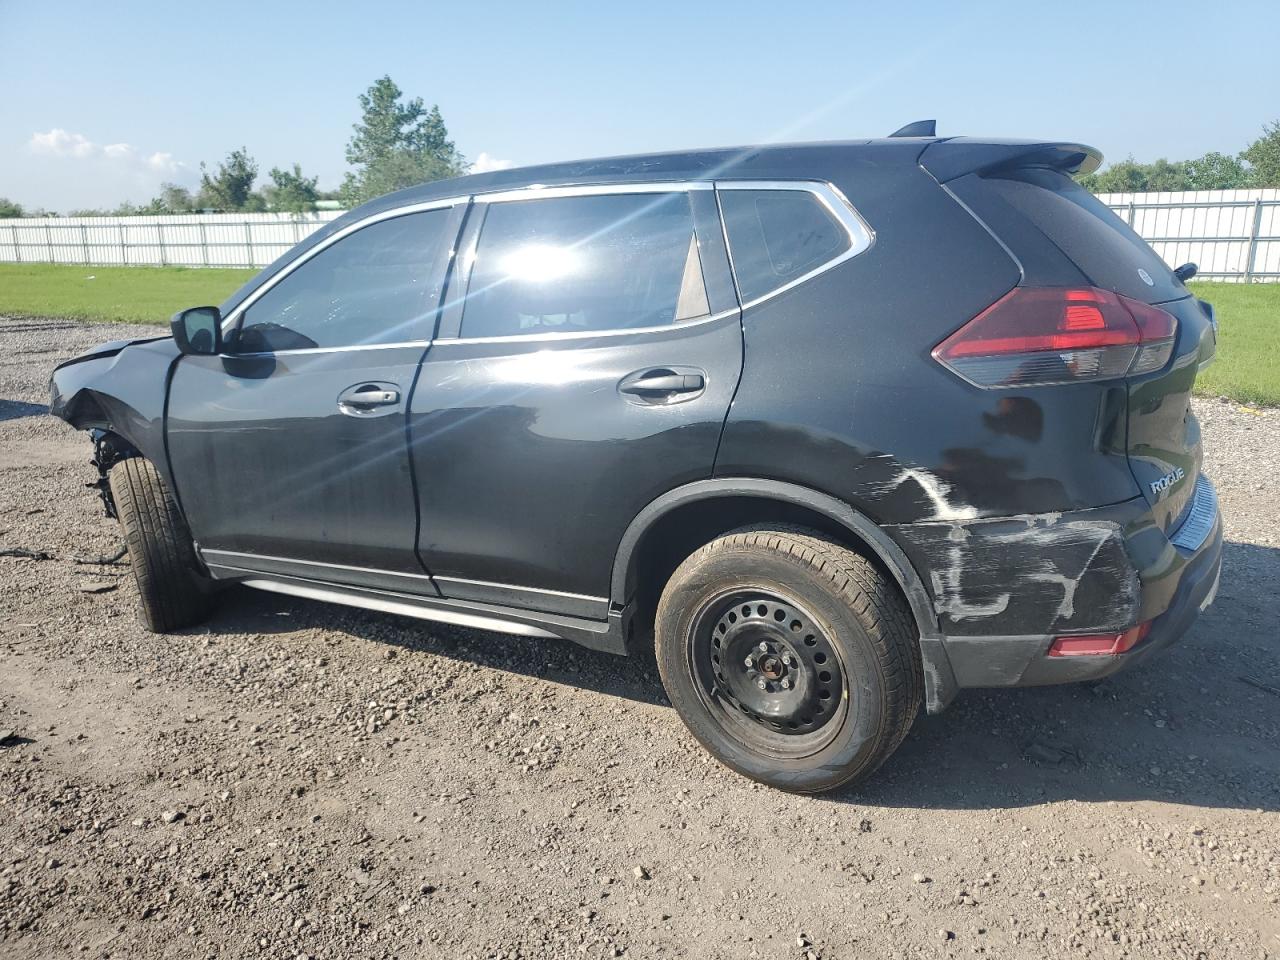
[(919, 128)]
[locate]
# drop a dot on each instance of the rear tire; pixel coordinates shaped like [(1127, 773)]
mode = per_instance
[(172, 589), (792, 659)]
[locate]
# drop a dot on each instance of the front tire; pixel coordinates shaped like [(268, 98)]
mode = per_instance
[(792, 659), (173, 591)]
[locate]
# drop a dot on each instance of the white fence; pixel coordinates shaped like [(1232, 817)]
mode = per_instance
[(189, 240), (1231, 234)]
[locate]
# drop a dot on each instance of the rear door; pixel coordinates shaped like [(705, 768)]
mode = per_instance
[(289, 450), (588, 369)]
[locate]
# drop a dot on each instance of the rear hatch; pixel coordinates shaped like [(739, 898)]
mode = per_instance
[(1163, 437)]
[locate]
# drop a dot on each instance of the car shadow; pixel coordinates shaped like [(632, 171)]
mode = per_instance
[(1181, 728), (16, 409)]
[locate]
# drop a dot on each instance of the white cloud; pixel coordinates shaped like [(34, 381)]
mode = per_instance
[(485, 164), (63, 144), (59, 143), (77, 171), (164, 163)]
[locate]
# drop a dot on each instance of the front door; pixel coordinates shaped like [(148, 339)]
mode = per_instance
[(588, 370), (289, 451)]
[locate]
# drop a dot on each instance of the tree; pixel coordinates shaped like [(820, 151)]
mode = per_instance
[(174, 199), (1263, 157), (1127, 176), (1167, 175), (290, 191), (10, 208), (1258, 165), (1216, 171), (397, 144), (231, 187)]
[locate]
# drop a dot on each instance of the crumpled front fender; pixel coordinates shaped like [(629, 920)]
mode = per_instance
[(119, 387)]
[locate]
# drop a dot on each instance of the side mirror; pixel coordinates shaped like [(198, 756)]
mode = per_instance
[(198, 330), (1185, 272)]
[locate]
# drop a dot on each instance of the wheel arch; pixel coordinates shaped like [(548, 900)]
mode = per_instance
[(679, 521)]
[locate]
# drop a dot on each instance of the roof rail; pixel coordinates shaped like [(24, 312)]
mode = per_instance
[(917, 128)]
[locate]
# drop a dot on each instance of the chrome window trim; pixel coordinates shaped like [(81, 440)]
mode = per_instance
[(542, 192), (861, 236), (584, 334), (508, 586), (232, 319), (358, 346), (861, 239)]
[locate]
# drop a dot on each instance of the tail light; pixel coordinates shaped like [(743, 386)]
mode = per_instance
[(1041, 335), (1101, 644)]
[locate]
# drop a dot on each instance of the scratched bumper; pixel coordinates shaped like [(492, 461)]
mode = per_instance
[(1024, 661), (1004, 589)]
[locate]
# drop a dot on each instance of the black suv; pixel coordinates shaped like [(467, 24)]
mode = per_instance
[(836, 429)]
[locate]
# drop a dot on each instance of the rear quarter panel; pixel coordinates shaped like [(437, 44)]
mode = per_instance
[(839, 392)]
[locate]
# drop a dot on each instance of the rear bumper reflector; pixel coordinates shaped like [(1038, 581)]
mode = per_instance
[(1101, 644)]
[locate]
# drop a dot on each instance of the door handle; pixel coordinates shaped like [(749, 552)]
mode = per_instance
[(365, 398), (663, 382)]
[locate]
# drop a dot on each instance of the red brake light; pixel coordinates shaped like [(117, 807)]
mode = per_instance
[(1042, 335), (1101, 644)]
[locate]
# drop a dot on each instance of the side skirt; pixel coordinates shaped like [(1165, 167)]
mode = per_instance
[(597, 635)]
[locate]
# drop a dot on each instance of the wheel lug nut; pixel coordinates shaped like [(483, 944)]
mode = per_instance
[(762, 684), (786, 683), (764, 648), (751, 661), (789, 660)]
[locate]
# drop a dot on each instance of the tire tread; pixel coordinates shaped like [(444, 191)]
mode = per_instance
[(161, 552), (871, 596)]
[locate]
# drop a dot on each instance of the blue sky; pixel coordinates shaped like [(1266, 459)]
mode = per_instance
[(103, 101)]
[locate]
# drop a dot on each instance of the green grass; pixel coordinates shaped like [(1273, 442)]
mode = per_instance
[(1248, 365), (1247, 369), (114, 294)]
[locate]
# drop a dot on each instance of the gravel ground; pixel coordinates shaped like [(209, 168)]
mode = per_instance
[(302, 780)]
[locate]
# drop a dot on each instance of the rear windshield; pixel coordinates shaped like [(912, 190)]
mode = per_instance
[(1102, 245)]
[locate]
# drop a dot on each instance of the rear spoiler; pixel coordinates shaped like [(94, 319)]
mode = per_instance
[(959, 156)]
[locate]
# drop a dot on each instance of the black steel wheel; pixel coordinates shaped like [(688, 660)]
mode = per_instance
[(768, 667), (794, 660)]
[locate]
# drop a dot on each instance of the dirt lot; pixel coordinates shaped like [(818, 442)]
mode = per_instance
[(301, 780)]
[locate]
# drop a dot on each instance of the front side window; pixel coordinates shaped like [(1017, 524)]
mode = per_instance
[(585, 263), (379, 285), (777, 236)]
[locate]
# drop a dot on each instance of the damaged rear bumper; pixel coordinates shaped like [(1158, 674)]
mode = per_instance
[(1004, 589)]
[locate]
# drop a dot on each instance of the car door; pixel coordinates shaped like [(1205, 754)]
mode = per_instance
[(587, 370), (288, 450)]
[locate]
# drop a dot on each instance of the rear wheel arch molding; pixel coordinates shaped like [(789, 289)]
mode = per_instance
[(940, 681), (622, 583)]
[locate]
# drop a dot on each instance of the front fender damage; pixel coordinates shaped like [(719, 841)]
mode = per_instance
[(117, 393)]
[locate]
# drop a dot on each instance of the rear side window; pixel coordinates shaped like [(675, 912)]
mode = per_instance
[(1102, 245), (378, 285), (778, 236), (573, 264)]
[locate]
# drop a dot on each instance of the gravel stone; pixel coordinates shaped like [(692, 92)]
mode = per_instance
[(513, 772)]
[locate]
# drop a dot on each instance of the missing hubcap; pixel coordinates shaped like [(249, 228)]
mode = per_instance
[(762, 658)]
